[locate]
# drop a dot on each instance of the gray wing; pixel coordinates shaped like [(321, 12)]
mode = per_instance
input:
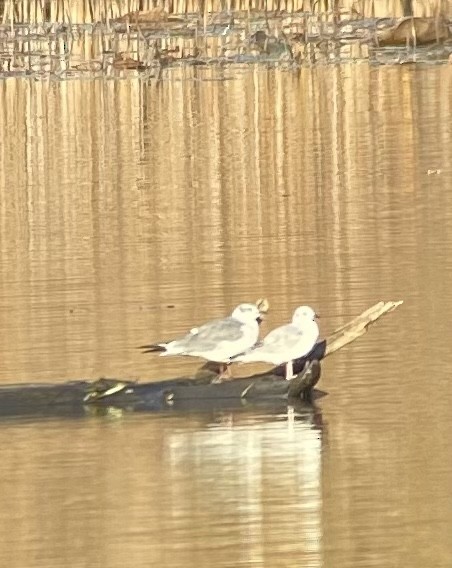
[(282, 338), (209, 335)]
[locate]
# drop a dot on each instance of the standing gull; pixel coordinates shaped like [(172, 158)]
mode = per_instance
[(288, 342), (218, 340)]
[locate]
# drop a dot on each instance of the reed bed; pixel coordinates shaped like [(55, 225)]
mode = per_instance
[(99, 39), (92, 11)]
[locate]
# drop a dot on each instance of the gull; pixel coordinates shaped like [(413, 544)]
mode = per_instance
[(218, 340), (286, 343)]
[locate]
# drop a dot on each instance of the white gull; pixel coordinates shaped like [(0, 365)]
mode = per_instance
[(218, 340), (286, 343)]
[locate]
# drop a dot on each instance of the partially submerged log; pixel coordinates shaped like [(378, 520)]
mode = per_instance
[(187, 393)]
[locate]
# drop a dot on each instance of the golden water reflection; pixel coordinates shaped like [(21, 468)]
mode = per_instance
[(154, 501), (119, 199)]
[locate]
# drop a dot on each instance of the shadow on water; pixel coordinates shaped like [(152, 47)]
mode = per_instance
[(305, 411)]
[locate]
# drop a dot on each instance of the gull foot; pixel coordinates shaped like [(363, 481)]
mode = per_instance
[(222, 377)]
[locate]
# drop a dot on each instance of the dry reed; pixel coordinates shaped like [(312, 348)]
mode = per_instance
[(91, 11), (68, 39)]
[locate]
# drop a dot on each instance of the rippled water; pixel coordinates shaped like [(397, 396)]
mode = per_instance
[(132, 211)]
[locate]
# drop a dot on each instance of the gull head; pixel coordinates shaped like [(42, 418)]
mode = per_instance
[(302, 315), (246, 313)]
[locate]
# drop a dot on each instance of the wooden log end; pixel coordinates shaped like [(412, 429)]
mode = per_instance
[(359, 325)]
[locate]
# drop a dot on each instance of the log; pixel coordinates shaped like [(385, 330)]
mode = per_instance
[(413, 31), (76, 398)]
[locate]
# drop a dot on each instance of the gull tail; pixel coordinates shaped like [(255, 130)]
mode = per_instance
[(153, 348)]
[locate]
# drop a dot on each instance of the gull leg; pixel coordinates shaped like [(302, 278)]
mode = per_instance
[(225, 373), (289, 371)]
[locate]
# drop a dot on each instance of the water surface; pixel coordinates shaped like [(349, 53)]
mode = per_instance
[(130, 211)]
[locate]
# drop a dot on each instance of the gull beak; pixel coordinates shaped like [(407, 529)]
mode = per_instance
[(316, 316), (260, 319)]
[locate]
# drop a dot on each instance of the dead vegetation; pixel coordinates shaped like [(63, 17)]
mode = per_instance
[(95, 11), (61, 39)]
